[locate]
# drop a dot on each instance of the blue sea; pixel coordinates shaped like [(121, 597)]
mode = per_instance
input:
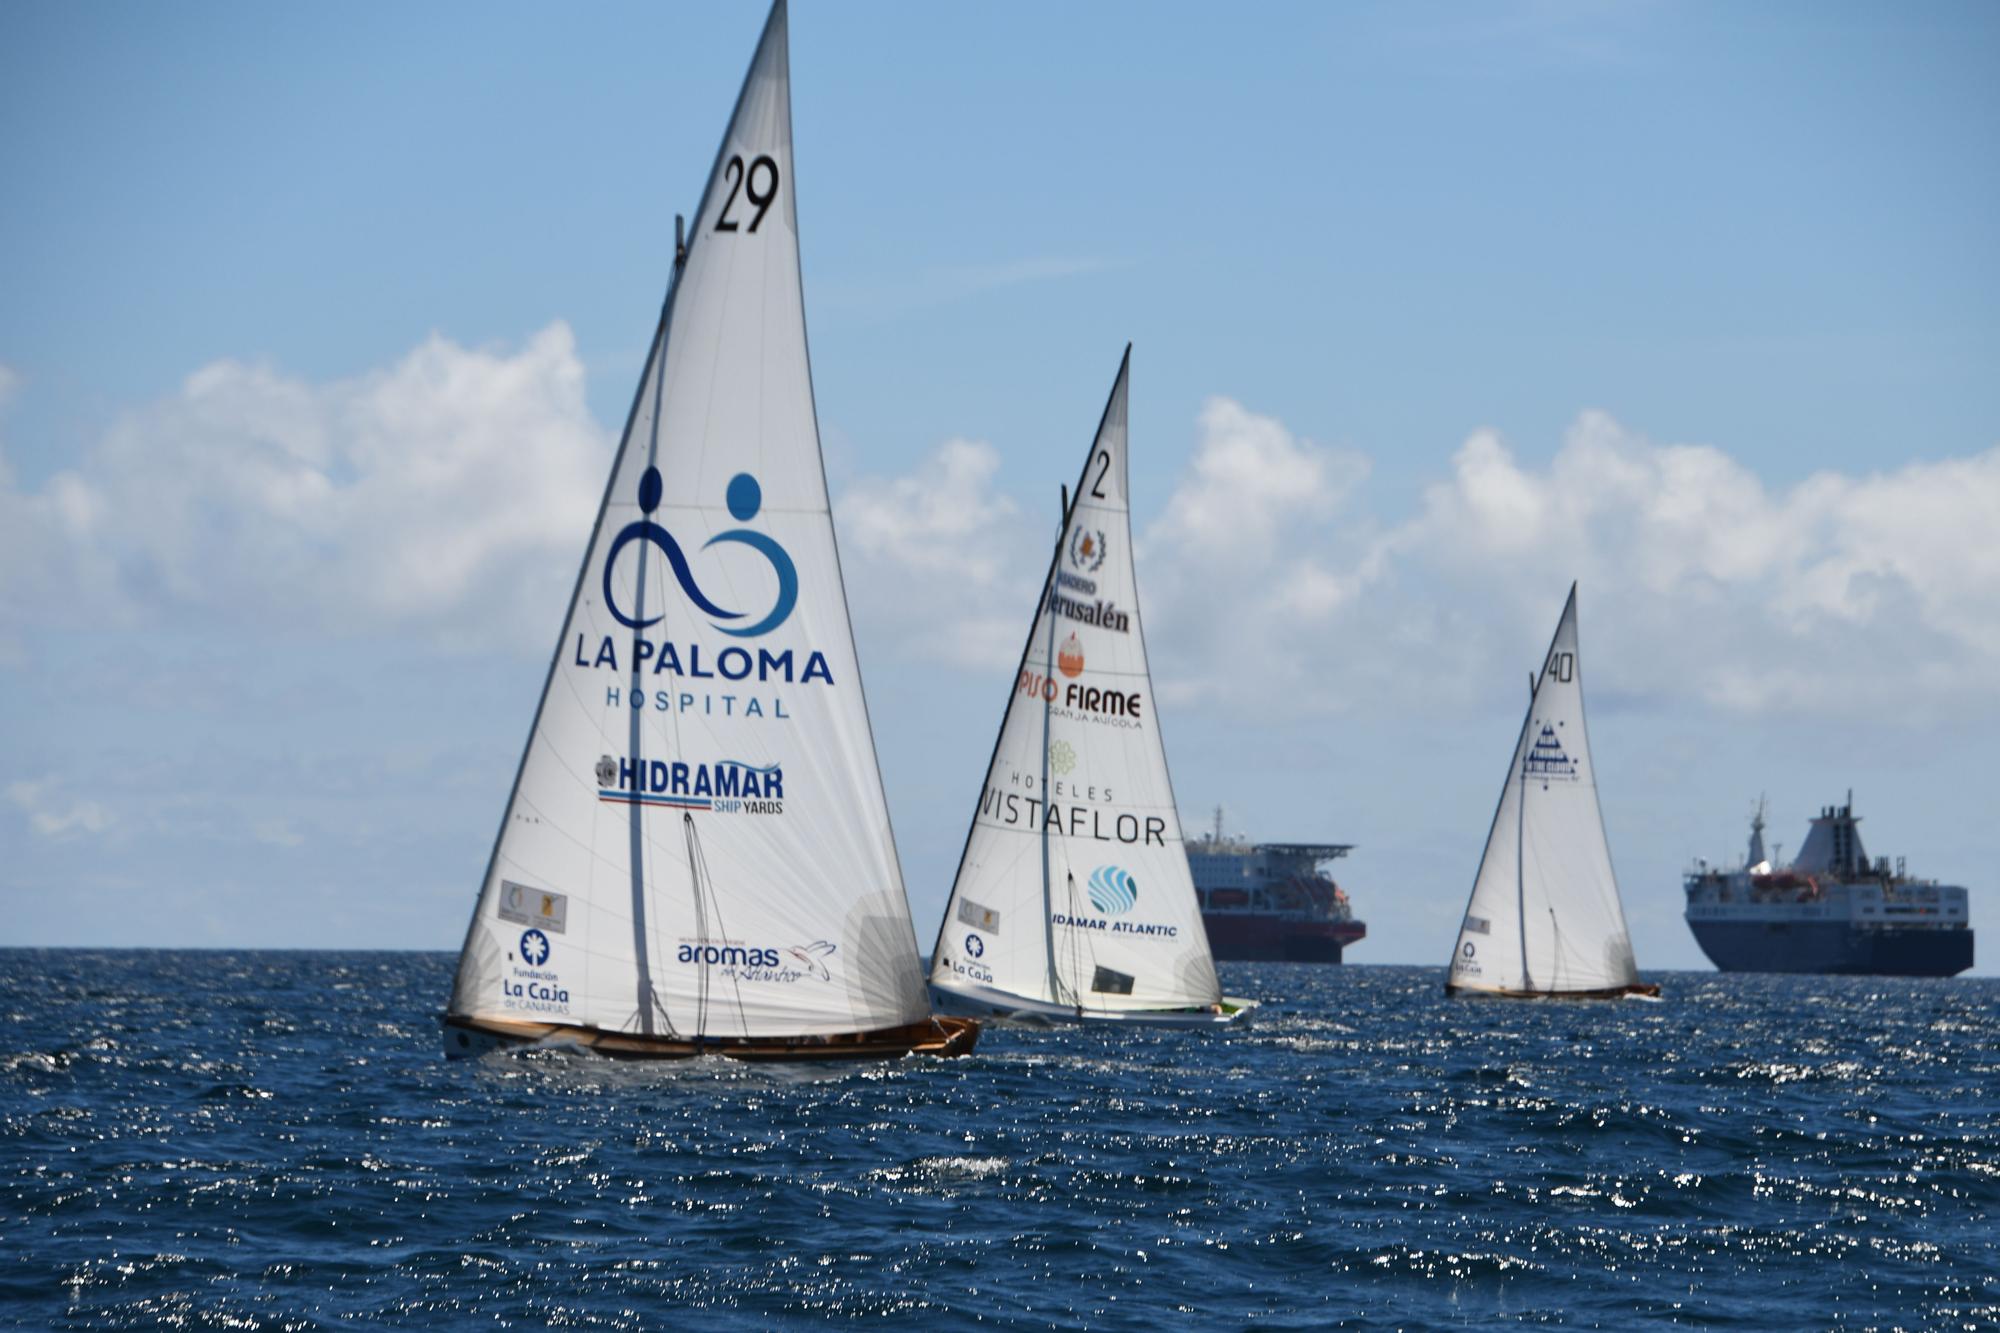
[(272, 1140)]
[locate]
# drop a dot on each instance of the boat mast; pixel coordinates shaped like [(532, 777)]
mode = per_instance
[(636, 830), (1048, 689), (1520, 852)]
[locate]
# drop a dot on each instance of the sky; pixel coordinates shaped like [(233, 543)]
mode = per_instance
[(317, 324)]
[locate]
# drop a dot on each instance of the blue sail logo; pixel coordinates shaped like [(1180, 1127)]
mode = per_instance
[(1547, 760), (1113, 891), (745, 497)]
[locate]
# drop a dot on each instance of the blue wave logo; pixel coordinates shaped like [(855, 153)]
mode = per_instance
[(745, 497), (1113, 891)]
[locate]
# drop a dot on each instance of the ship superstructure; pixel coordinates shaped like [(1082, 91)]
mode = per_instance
[(1271, 902), (1830, 910)]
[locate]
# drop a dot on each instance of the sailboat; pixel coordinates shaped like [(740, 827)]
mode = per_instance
[(696, 854), (1073, 900), (1545, 919)]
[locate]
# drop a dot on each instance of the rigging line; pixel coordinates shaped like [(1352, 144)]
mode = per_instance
[(1048, 905), (648, 998), (1555, 936), (1089, 944), (1521, 849), (697, 855), (679, 747), (700, 929)]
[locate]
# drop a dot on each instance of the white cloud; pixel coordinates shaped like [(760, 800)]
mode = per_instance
[(1270, 591), (447, 493), (940, 559), (944, 513), (1249, 479), (1842, 593), (52, 816), (277, 833), (1249, 546)]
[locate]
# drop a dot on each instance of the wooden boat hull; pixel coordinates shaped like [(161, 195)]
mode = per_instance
[(470, 1037), (986, 1003), (1638, 990)]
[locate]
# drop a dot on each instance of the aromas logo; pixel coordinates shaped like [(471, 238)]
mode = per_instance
[(744, 498), (786, 965), (1113, 891)]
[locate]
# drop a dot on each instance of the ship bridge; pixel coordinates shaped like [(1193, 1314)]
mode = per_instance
[(1314, 852)]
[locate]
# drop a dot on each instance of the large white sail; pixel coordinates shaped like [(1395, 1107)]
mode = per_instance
[(1545, 917), (1074, 889), (697, 842)]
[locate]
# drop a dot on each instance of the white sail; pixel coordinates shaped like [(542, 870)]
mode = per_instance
[(1545, 917), (697, 842), (1074, 889)]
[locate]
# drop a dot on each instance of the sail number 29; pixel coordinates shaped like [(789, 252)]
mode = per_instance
[(758, 182)]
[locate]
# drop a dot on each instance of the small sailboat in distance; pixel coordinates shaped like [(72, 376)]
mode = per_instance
[(1545, 919), (696, 854), (1073, 901)]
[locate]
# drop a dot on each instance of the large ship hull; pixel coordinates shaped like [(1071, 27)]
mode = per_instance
[(1255, 937), (1832, 947)]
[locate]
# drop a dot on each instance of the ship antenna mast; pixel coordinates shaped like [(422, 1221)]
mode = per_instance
[(1218, 823)]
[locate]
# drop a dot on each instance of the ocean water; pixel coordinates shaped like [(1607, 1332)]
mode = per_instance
[(271, 1140)]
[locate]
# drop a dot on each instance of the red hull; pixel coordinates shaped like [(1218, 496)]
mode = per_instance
[(1253, 937)]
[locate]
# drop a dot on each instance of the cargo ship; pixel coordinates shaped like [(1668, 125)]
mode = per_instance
[(1270, 902), (1831, 910)]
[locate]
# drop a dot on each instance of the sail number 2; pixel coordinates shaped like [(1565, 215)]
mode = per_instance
[(762, 190), (1103, 461)]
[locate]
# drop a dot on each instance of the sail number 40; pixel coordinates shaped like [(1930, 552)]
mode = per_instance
[(762, 190), (1562, 666)]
